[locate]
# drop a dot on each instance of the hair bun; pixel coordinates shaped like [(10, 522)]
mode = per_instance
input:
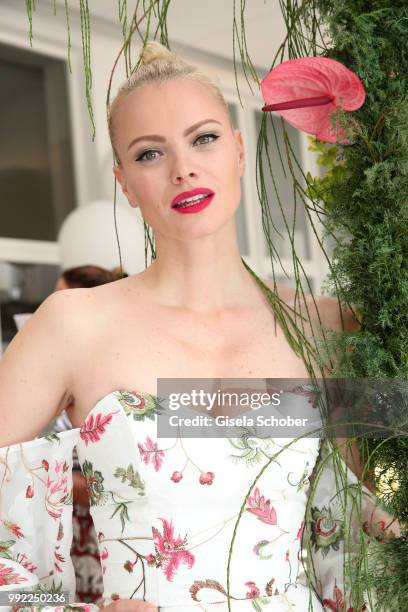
[(154, 51)]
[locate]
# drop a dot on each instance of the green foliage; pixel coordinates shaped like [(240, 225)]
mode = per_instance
[(387, 573), (321, 188), (367, 209)]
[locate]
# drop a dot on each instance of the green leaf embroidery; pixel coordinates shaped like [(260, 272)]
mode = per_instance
[(4, 546), (132, 476), (123, 513), (53, 437)]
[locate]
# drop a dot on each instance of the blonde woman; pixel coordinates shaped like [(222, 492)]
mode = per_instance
[(165, 513)]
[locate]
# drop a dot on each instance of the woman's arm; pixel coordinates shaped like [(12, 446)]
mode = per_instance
[(36, 369), (36, 375), (375, 518)]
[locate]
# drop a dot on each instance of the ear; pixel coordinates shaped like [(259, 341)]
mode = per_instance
[(239, 142), (120, 177)]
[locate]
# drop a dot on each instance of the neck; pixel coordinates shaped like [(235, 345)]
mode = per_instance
[(204, 275)]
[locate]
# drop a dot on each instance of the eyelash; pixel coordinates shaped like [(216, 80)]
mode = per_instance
[(142, 157)]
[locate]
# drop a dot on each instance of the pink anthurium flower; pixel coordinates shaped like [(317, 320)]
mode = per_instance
[(307, 90)]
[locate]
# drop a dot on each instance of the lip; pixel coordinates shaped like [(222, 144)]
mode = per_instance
[(189, 194), (195, 208)]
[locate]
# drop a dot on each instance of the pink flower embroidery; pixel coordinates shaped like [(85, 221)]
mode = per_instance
[(171, 551), (104, 555), (8, 576), (58, 465), (94, 427), (299, 533), (57, 491), (29, 492), (337, 604), (128, 565), (207, 478), (253, 590), (261, 508), (15, 529), (58, 557), (150, 451), (25, 562)]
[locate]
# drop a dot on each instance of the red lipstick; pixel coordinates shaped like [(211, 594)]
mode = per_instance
[(192, 201)]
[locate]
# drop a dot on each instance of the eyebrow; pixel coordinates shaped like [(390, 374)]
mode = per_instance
[(186, 132)]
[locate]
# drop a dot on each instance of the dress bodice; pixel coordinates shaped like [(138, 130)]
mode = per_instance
[(194, 523), (182, 522)]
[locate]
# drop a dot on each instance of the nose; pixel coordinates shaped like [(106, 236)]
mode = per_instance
[(181, 171)]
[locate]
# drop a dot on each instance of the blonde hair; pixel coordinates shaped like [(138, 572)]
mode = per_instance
[(157, 65)]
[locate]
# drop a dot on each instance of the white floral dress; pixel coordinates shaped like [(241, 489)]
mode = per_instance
[(208, 524)]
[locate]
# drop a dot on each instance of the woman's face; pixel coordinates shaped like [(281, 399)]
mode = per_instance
[(175, 139)]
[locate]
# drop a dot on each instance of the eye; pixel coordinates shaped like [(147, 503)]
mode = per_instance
[(206, 138), (149, 155)]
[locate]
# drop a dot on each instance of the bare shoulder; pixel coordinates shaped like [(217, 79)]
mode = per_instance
[(36, 368), (334, 315), (320, 310)]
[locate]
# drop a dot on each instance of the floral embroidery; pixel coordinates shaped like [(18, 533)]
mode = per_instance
[(376, 530), (300, 530), (57, 492), (206, 584), (5, 545), (139, 406), (261, 508), (253, 450), (131, 475), (312, 393), (103, 556), (58, 558), (94, 484), (260, 549), (175, 552), (150, 559), (303, 481), (95, 426), (176, 476), (8, 576), (207, 478), (337, 604), (150, 452), (253, 590), (254, 593), (15, 529), (170, 550), (326, 531), (26, 563)]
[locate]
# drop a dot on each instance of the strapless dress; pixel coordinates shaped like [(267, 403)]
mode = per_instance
[(183, 523)]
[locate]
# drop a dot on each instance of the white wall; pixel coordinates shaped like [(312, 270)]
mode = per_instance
[(93, 160)]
